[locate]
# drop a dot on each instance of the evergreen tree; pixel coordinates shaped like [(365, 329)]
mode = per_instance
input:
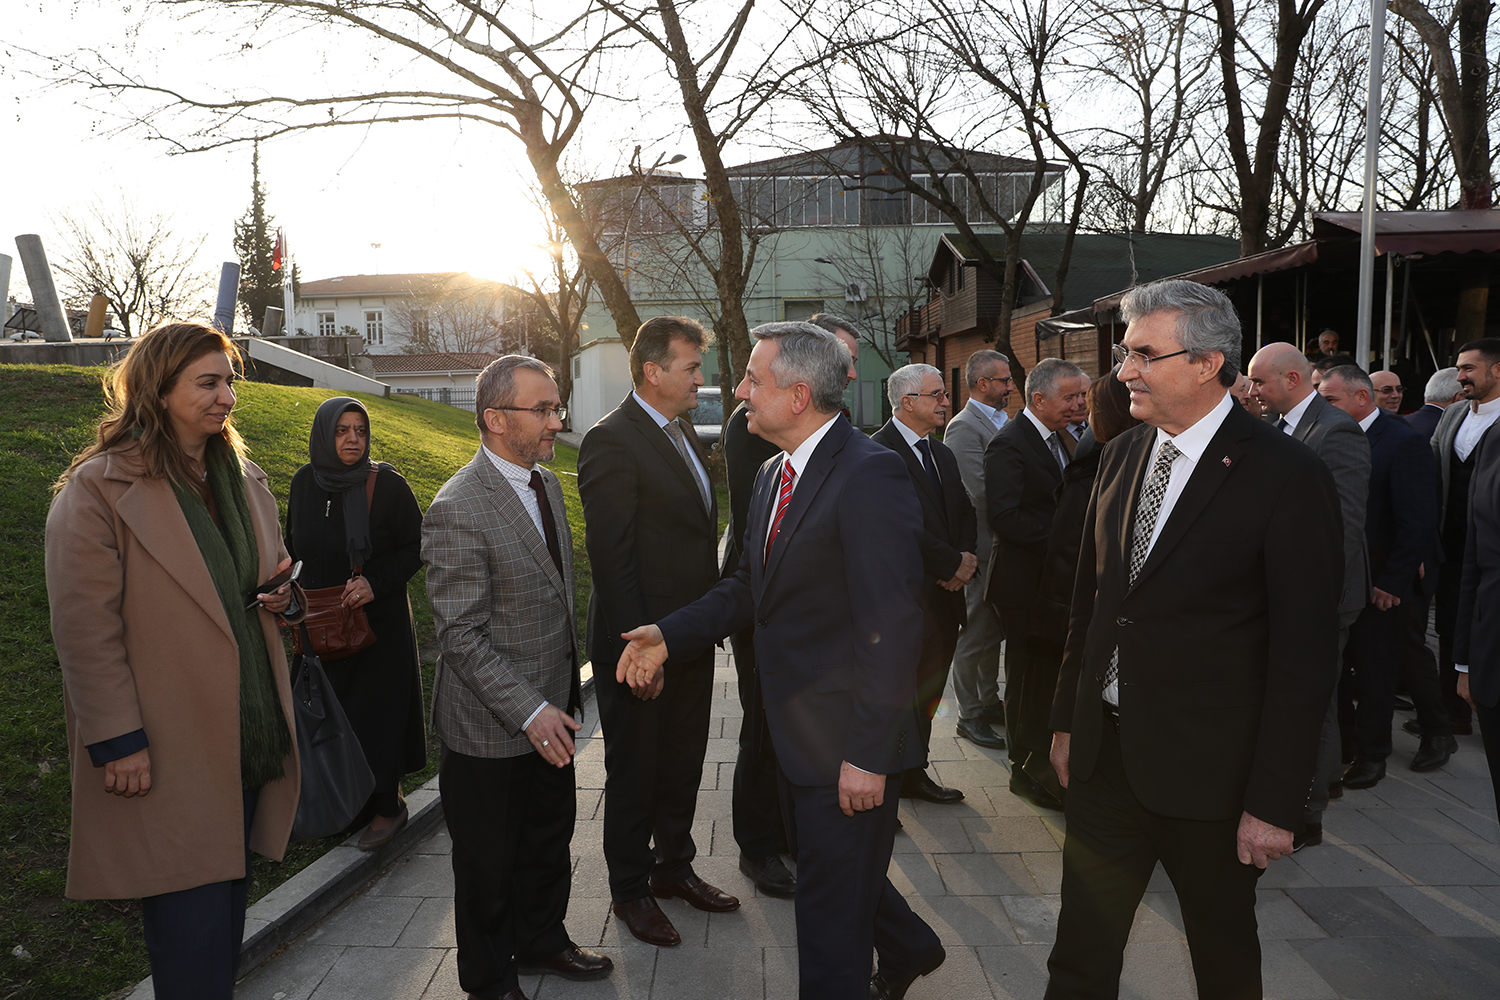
[(254, 244)]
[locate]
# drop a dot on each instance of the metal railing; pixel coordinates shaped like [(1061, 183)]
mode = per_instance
[(461, 398)]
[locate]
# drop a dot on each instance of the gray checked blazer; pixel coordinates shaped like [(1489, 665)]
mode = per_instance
[(507, 635)]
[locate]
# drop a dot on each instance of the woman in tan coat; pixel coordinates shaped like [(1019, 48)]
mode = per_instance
[(180, 728)]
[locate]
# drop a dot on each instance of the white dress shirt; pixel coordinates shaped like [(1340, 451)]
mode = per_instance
[(910, 437), (799, 458), (1374, 415), (661, 421), (1294, 416), (519, 477), (1191, 443), (1474, 424)]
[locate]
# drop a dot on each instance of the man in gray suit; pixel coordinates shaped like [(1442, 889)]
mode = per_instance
[(1281, 378), (505, 700), (976, 660)]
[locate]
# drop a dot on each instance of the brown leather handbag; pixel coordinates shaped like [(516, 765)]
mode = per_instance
[(336, 632)]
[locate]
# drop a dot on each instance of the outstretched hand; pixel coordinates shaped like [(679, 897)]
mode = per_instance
[(645, 652)]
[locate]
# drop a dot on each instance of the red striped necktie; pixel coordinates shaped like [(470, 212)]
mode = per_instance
[(783, 500)]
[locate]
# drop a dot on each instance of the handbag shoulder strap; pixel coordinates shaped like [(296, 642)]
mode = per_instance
[(369, 499)]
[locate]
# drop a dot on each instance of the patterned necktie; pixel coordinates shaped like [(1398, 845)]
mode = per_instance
[(674, 431), (783, 500), (1152, 494), (926, 449), (1057, 451)]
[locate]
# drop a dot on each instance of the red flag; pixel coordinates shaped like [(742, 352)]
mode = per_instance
[(276, 254)]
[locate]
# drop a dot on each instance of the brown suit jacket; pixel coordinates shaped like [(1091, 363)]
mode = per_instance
[(144, 644)]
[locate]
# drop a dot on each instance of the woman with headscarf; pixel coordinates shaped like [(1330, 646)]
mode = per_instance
[(371, 545), (162, 545)]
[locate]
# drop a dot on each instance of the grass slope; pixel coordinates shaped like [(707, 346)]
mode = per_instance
[(81, 949)]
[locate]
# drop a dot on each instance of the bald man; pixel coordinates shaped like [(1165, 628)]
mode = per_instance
[(1388, 390), (1281, 379)]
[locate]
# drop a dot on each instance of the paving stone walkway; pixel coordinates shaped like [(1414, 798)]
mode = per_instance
[(1402, 900)]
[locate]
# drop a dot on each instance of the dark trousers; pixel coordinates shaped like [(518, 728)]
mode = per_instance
[(932, 678), (511, 820), (1489, 724), (1028, 695), (846, 906), (758, 827), (1445, 620), (1419, 669), (1112, 846), (1372, 661), (193, 936), (653, 761)]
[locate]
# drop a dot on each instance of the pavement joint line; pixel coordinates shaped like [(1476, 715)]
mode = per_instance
[(295, 905)]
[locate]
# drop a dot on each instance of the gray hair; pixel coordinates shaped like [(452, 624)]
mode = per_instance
[(980, 363), (1206, 320), (1442, 387), (496, 385), (908, 380), (812, 355), (1045, 376), (1353, 376), (833, 323)]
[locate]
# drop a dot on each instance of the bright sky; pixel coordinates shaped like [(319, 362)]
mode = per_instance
[(434, 196)]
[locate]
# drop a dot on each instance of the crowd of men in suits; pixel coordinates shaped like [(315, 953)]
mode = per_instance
[(1249, 592)]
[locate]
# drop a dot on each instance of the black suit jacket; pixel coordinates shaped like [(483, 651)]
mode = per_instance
[(1226, 636), (1021, 478), (1425, 420), (744, 454), (1401, 517), (838, 624), (949, 528), (1476, 640), (651, 545)]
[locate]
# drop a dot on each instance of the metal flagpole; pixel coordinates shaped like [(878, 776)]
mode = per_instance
[(288, 321), (1372, 158)]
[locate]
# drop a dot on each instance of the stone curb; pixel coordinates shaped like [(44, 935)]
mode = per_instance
[(317, 890)]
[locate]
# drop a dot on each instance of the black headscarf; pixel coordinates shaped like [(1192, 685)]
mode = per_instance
[(334, 476)]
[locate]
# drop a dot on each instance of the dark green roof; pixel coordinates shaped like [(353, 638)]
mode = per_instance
[(1102, 263)]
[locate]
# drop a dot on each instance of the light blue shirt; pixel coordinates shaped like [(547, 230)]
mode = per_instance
[(662, 422), (996, 416)]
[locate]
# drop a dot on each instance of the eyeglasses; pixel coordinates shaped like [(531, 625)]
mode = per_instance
[(995, 378), (545, 412), (939, 395), (1142, 362), (1386, 390)]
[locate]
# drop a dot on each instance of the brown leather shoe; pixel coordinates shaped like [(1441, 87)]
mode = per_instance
[(374, 840), (646, 921), (572, 962), (697, 894)]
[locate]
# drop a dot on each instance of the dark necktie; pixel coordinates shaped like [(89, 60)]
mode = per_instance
[(925, 447), (549, 526), (1153, 491), (783, 500), (674, 431), (1281, 424), (1057, 450)]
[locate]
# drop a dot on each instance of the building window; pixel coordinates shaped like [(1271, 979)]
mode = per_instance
[(374, 326), (421, 326), (327, 324)]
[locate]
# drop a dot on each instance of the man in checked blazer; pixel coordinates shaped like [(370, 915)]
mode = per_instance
[(505, 701)]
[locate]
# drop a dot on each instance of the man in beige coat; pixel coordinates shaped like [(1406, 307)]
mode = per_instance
[(506, 699)]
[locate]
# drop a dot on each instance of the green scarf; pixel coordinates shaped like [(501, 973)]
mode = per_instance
[(229, 549)]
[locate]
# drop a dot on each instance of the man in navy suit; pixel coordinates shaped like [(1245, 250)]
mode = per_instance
[(831, 581), (1401, 533), (919, 406), (1192, 686), (1441, 392)]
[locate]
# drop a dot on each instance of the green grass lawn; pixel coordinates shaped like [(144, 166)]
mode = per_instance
[(72, 950)]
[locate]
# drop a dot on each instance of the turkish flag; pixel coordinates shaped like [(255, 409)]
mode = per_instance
[(276, 254)]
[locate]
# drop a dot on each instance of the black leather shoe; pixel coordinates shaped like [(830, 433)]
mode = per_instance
[(994, 714), (646, 921), (979, 733), (573, 962), (1311, 836), (1433, 752), (1336, 789), (769, 875), (696, 893), (1022, 785), (1459, 728), (514, 994), (883, 987), (917, 785), (1364, 773)]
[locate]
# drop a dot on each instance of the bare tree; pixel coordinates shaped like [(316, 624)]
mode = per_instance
[(559, 297), (462, 314), (887, 269), (138, 262), (528, 68)]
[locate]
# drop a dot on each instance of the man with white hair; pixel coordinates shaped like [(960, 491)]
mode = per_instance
[(1442, 391), (919, 406), (1192, 687)]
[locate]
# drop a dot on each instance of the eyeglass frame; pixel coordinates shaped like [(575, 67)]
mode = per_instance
[(1388, 389), (996, 378), (545, 412), (939, 394), (1142, 362)]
